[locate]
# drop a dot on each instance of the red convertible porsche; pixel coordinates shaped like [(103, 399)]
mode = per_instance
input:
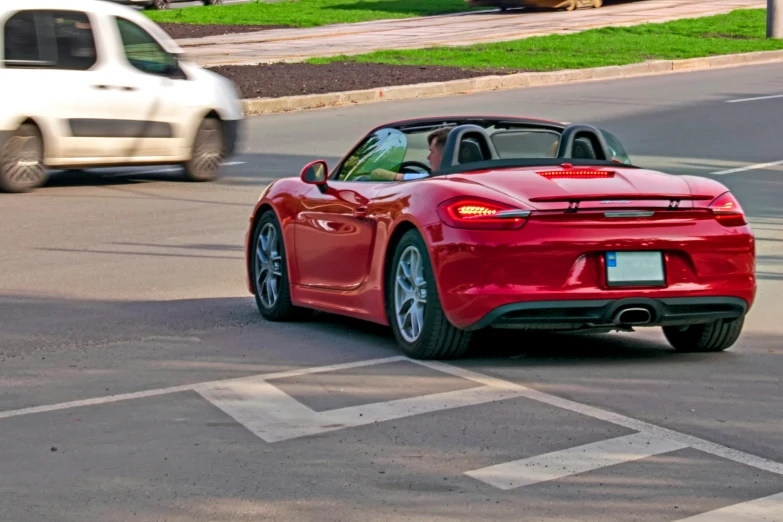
[(440, 227)]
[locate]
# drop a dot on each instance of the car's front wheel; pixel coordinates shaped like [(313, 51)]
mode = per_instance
[(711, 337), (269, 271), (413, 305), (208, 152), (22, 167)]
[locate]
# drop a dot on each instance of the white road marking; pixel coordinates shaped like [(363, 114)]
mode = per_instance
[(231, 163), (627, 422), (93, 402), (275, 416), (767, 509), (571, 461), (755, 98), (749, 167), (188, 387), (494, 390)]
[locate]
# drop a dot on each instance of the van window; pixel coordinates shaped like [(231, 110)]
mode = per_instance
[(49, 39), (142, 50)]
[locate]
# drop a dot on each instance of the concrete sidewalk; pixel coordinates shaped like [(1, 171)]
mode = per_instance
[(347, 39)]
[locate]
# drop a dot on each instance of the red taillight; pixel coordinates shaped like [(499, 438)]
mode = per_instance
[(728, 211), (481, 214), (576, 173)]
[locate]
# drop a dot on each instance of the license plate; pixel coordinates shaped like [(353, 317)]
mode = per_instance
[(634, 269)]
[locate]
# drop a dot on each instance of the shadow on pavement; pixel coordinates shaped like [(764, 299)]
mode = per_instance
[(36, 323), (255, 169)]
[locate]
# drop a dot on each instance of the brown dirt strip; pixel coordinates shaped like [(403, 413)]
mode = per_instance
[(181, 31), (292, 79)]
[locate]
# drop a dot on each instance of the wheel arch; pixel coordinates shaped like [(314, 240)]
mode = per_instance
[(397, 232), (43, 130)]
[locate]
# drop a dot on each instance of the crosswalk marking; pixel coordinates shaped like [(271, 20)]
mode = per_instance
[(767, 509), (571, 461), (275, 416)]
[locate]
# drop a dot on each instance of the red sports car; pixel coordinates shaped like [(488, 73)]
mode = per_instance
[(440, 227)]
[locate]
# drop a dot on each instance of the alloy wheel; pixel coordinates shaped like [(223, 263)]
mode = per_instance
[(208, 150), (269, 269), (23, 163), (410, 294)]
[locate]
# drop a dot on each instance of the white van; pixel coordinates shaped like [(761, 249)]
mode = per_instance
[(88, 83)]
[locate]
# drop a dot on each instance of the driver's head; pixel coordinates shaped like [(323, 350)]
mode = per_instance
[(437, 141)]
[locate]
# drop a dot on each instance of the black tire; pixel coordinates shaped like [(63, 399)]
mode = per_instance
[(208, 152), (281, 309), (701, 338), (213, 2), (22, 166), (437, 338), (161, 5)]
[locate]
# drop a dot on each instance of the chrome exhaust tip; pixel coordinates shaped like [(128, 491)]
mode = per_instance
[(634, 316)]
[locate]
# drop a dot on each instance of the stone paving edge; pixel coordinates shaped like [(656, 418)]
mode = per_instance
[(259, 106)]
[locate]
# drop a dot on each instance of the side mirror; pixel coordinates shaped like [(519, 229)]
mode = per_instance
[(315, 173)]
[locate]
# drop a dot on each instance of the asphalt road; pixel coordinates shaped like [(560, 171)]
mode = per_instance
[(128, 288)]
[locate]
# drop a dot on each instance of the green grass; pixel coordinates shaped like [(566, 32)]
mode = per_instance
[(740, 31), (308, 13)]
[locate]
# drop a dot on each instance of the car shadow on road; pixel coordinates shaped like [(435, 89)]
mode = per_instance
[(251, 169)]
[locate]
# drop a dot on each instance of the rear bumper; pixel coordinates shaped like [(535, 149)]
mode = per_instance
[(597, 314)]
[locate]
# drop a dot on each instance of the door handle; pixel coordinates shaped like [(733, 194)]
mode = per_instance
[(102, 87), (360, 212)]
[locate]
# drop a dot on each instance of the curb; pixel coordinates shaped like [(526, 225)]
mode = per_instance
[(259, 106)]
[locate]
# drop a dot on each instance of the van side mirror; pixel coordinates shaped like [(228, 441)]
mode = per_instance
[(315, 173)]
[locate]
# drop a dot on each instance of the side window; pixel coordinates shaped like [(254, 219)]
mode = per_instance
[(616, 148), (143, 51), (74, 41), (50, 39), (384, 149), (22, 44)]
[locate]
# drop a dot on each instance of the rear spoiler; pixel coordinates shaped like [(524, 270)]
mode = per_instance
[(615, 197)]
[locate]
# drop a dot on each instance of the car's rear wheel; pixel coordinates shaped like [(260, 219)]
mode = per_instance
[(712, 337), (213, 2), (208, 152), (160, 5), (269, 271), (415, 313), (22, 167)]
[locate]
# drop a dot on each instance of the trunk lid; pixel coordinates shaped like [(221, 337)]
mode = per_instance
[(604, 188)]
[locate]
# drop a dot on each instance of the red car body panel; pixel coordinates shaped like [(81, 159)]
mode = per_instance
[(339, 240)]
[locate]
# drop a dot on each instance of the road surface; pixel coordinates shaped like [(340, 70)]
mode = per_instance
[(137, 381)]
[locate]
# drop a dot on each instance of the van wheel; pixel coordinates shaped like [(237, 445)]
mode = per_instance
[(22, 167), (208, 152)]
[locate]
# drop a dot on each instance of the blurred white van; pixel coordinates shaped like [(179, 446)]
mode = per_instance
[(88, 83)]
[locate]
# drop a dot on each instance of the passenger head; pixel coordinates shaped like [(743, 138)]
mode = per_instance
[(437, 141)]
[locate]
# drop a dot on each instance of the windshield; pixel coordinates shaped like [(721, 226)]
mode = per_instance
[(390, 149), (384, 149)]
